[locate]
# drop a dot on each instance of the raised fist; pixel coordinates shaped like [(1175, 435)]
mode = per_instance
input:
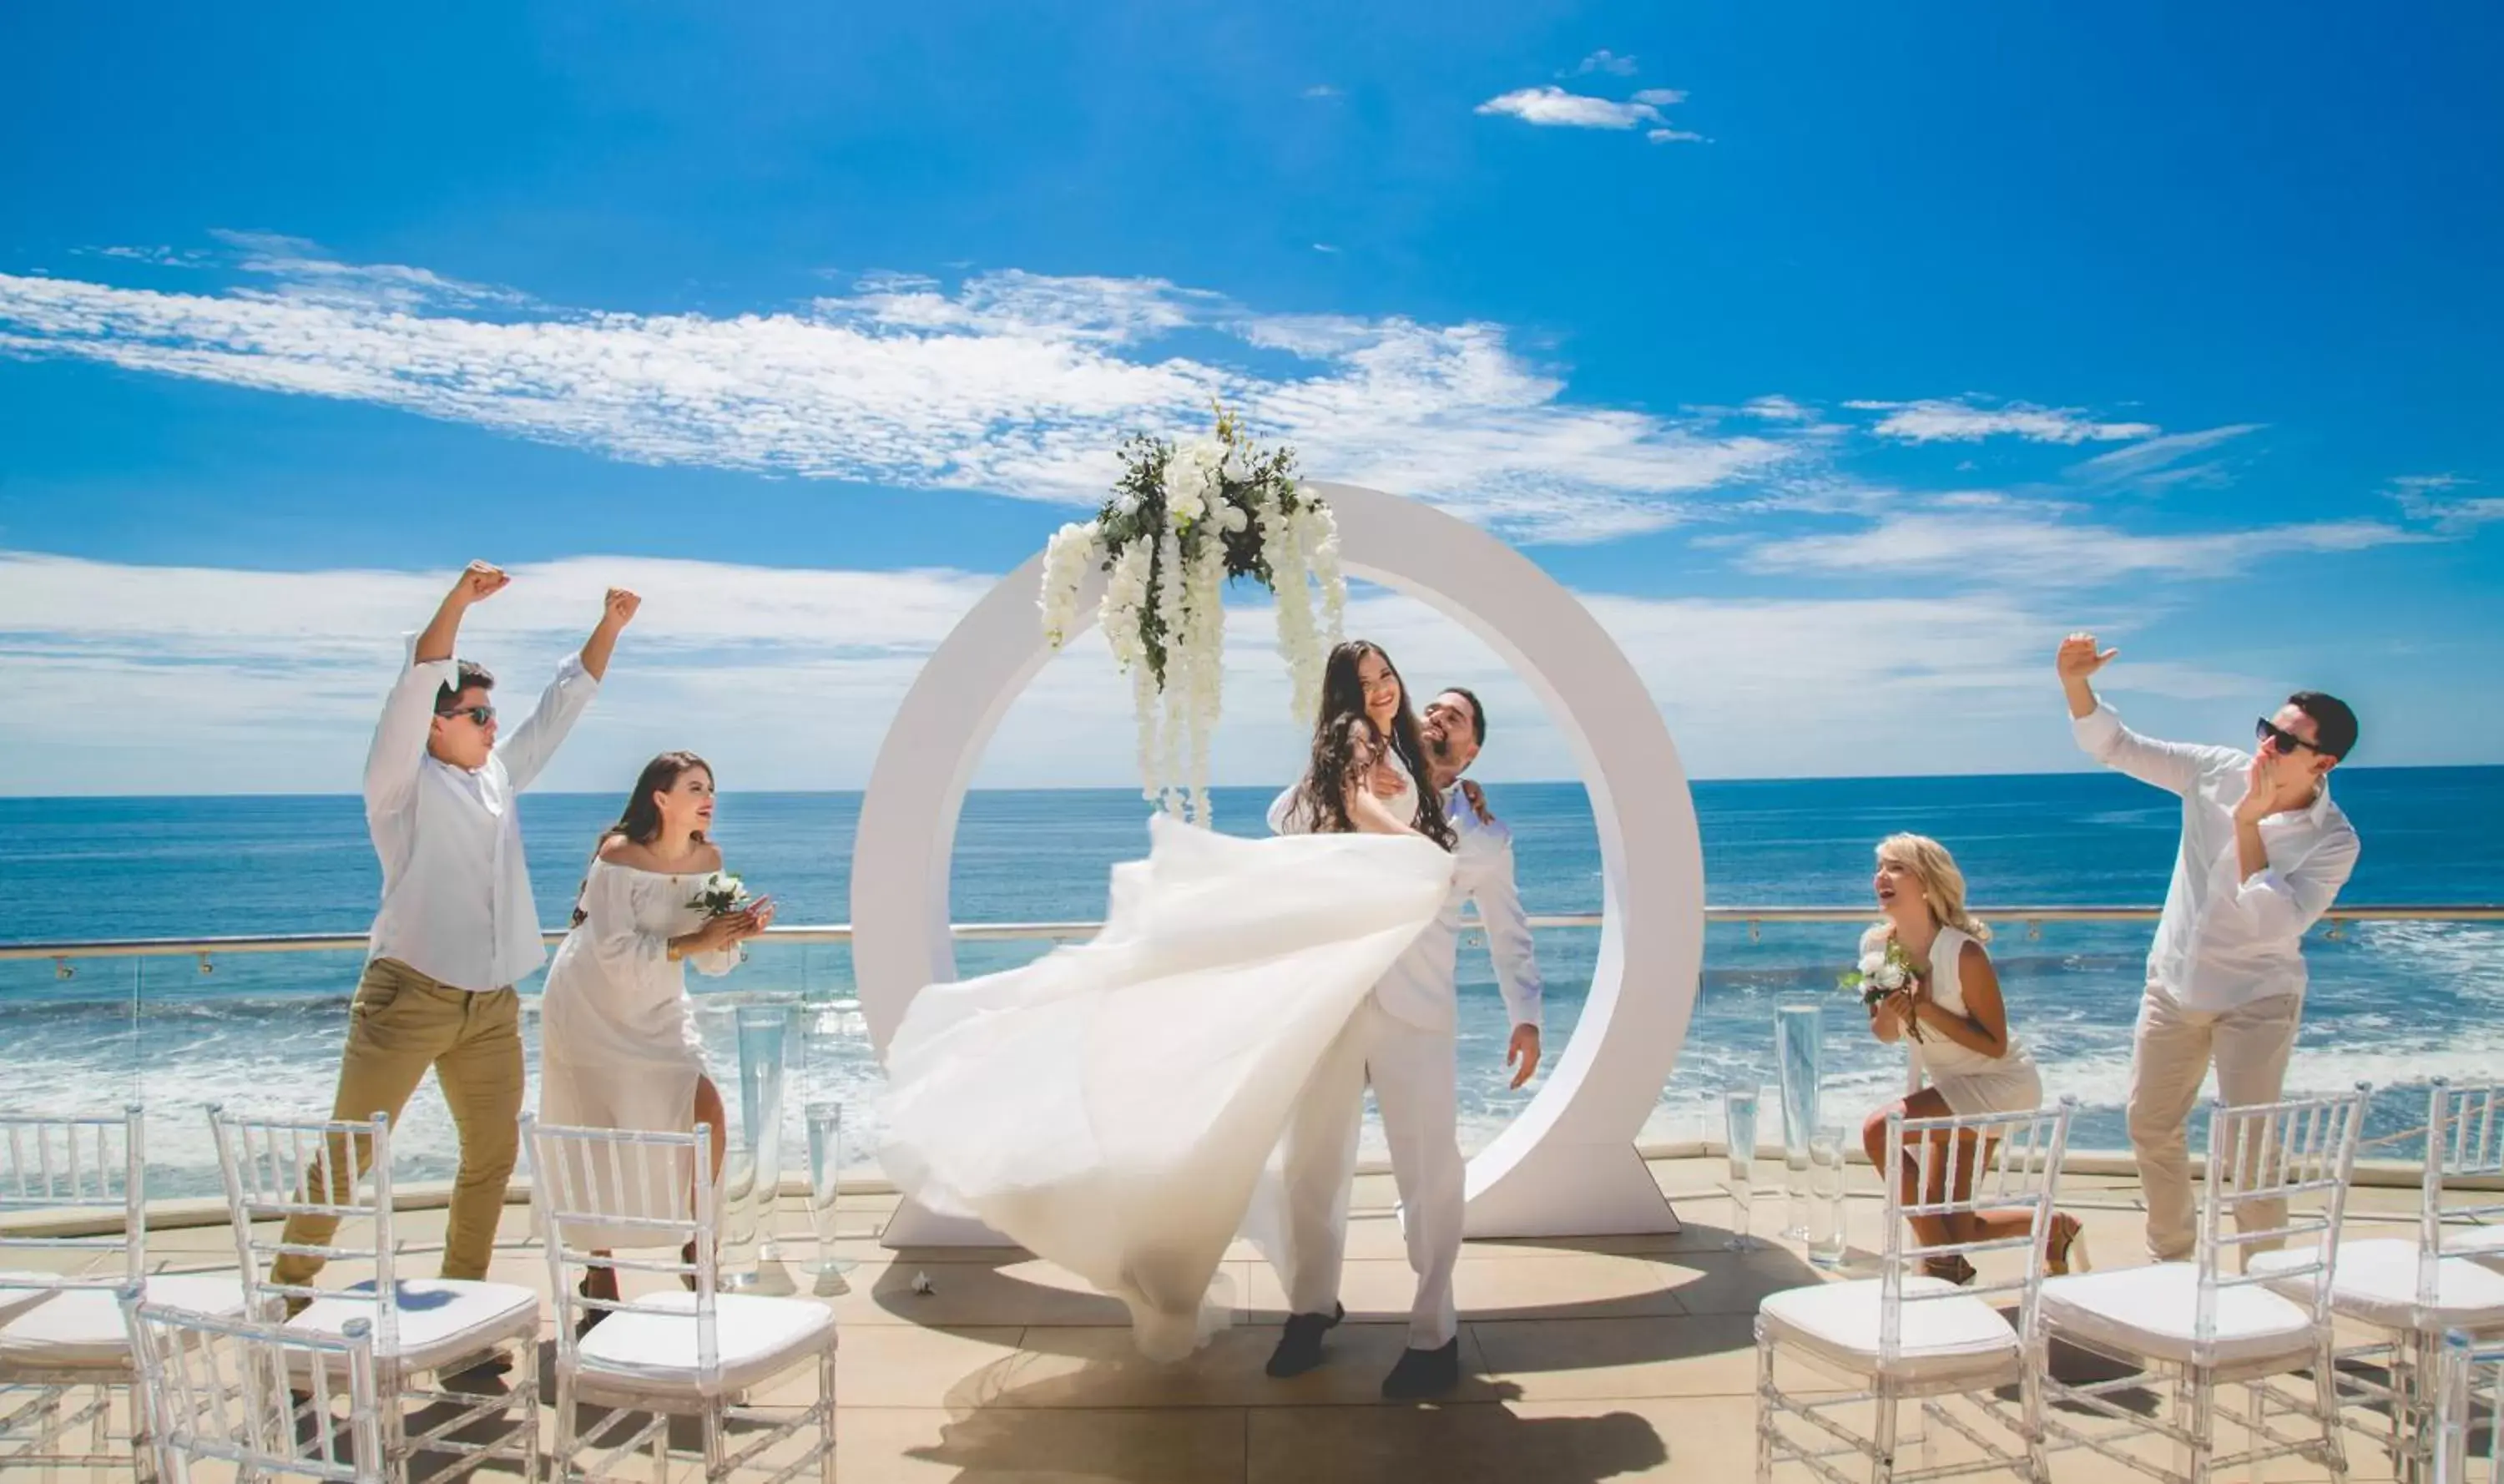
[(482, 580)]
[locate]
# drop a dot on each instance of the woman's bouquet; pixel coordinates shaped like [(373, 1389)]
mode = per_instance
[(719, 896), (1882, 972)]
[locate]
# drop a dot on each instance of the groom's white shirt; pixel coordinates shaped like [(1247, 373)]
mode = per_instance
[(1421, 987)]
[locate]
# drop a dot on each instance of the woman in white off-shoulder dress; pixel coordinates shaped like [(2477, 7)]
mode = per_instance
[(1955, 1031), (617, 1039)]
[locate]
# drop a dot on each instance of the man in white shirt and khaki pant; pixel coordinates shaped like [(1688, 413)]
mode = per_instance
[(2264, 854), (457, 928)]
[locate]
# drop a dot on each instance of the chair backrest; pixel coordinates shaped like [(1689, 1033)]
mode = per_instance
[(222, 1391), (336, 1170), (1996, 1162), (51, 1164), (621, 1189), (2295, 1155), (2469, 1382)]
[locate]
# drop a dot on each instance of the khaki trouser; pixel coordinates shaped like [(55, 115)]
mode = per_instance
[(401, 1023), (2170, 1056)]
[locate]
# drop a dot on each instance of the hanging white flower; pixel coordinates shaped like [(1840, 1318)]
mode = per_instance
[(1167, 540)]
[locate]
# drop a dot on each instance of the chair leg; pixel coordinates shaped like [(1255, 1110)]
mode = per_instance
[(526, 1402), (2325, 1395), (716, 1458), (661, 1450), (2029, 1405), (1882, 1462), (2204, 1428), (1764, 1410), (826, 1397), (564, 1418)]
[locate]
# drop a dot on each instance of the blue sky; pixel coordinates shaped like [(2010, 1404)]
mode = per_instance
[(1842, 360)]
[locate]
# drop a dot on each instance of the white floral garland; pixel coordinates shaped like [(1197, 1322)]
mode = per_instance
[(1173, 533)]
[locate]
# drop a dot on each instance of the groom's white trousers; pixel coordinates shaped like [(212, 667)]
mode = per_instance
[(1414, 1073)]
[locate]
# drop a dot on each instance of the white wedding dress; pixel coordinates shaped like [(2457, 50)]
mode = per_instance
[(1111, 1107), (619, 1047)]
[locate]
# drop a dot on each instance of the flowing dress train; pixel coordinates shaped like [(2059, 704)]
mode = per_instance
[(1111, 1106)]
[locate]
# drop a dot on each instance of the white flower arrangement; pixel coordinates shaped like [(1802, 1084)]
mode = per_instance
[(1882, 972), (1180, 523), (719, 894)]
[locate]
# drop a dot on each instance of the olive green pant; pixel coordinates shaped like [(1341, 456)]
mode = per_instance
[(402, 1023)]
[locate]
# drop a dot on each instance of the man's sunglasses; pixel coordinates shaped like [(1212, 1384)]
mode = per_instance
[(2287, 742), (481, 714)]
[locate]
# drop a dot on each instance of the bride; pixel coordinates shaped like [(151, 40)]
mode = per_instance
[(1112, 1107)]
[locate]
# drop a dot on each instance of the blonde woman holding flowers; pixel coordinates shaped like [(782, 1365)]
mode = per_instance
[(618, 1037), (1940, 995)]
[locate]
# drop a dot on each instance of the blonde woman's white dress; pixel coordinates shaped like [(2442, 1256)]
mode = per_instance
[(1112, 1106), (619, 1047), (1969, 1081)]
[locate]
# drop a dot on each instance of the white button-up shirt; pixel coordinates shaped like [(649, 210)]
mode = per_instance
[(456, 889), (2225, 941), (1422, 986)]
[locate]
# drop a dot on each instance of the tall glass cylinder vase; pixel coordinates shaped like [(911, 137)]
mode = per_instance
[(1799, 1058), (1739, 1143), (753, 1173), (1828, 1242), (826, 1186)]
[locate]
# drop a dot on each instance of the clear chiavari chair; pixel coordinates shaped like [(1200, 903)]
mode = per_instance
[(688, 1350), (1981, 1185), (253, 1397), (2407, 1292), (64, 1351), (2276, 1173), (337, 1176)]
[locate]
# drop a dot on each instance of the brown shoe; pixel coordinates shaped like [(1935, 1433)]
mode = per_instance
[(1952, 1268), (2065, 1246)]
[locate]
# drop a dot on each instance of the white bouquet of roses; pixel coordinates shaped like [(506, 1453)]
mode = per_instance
[(718, 895), (1882, 973)]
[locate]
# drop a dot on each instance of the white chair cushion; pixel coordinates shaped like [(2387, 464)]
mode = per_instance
[(2152, 1311), (83, 1326), (2376, 1282), (757, 1338), (441, 1320), (1941, 1338)]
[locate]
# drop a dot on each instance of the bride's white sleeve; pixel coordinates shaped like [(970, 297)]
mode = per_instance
[(615, 939)]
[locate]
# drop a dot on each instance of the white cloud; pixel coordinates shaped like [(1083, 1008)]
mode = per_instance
[(219, 680), (1324, 90), (1012, 383), (1660, 97), (2425, 498), (1552, 107), (1941, 420), (1605, 60), (1673, 136), (2157, 463), (2033, 548), (1778, 409)]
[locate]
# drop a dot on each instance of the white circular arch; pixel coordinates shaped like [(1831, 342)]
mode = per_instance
[(1568, 1165)]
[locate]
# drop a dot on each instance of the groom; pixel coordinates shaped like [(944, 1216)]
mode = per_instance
[(1402, 1041)]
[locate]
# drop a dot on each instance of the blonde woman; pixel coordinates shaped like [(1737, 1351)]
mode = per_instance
[(1957, 1027)]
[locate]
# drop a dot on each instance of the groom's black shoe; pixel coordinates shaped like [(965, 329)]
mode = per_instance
[(1423, 1373), (1300, 1349)]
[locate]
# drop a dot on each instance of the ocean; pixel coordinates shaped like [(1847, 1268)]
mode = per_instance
[(2391, 1002)]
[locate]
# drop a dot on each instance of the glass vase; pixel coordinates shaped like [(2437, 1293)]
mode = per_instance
[(1799, 1053), (753, 1175), (1739, 1133), (826, 1186), (1826, 1241)]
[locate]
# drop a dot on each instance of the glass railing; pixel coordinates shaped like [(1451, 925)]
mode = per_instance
[(2398, 994)]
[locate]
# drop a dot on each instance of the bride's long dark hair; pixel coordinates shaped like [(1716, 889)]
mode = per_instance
[(1344, 734), (641, 822)]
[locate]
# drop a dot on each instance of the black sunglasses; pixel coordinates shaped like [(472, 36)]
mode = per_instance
[(2287, 742), (481, 714)]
